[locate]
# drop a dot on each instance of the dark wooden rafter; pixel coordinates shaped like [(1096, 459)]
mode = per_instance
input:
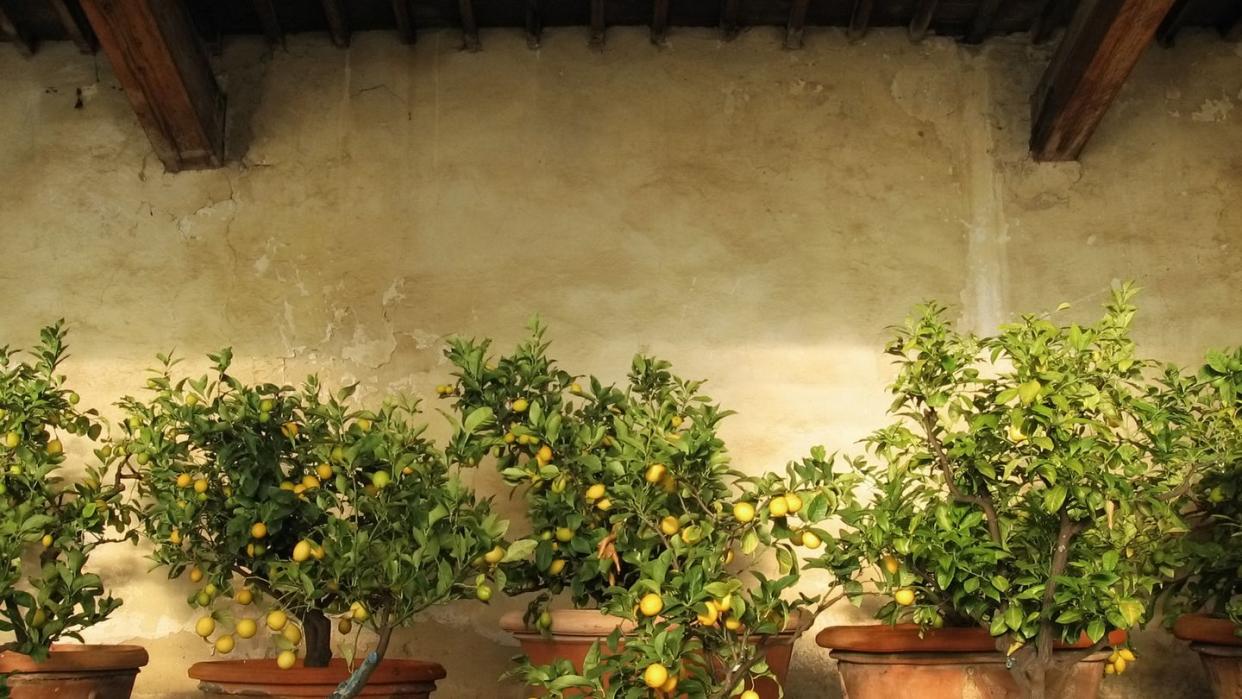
[(163, 67), (598, 24), (338, 22), (404, 20), (981, 25), (860, 19), (1232, 30), (469, 27), (1173, 22), (9, 27), (796, 28), (920, 23), (76, 27), (1046, 20), (729, 18), (269, 21), (1101, 47), (534, 24), (659, 21)]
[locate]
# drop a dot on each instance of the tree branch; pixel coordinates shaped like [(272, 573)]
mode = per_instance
[(1060, 559), (983, 501)]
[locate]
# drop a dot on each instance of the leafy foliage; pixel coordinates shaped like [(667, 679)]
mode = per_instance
[(1030, 484), (636, 509), (1214, 546), (49, 525), (299, 496)]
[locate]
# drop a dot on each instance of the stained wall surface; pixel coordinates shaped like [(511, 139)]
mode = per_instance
[(757, 216)]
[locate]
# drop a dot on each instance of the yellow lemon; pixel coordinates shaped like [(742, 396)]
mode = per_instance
[(778, 507), (793, 502), (483, 593), (12, 439), (55, 448), (310, 482), (46, 541), (904, 597), (669, 685), (174, 537), (258, 530), (744, 512), (276, 619), (244, 596), (811, 540), (891, 564), (733, 623), (246, 628), (381, 479), (604, 504), (360, 612), (655, 473), (184, 480), (651, 604), (302, 551), (520, 405), (292, 634), (324, 471), (225, 644), (655, 675), (200, 485), (1127, 655), (749, 694), (669, 525), (564, 534), (544, 455), (557, 566), (205, 626), (286, 659), (495, 556), (595, 492), (289, 429), (709, 617), (196, 574)]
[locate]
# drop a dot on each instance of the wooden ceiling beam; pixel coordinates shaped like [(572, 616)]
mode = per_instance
[(922, 19), (23, 40), (729, 13), (338, 22), (1099, 50), (1173, 22), (162, 65), (860, 19), (76, 27), (269, 21), (797, 24), (981, 26), (659, 22), (404, 21), (598, 22), (534, 24), (469, 27)]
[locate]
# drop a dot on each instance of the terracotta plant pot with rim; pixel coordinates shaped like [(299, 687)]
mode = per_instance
[(74, 671), (882, 661), (394, 678), (1219, 647), (574, 630)]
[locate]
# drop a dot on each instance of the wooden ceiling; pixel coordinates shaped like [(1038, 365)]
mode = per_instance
[(159, 48), (29, 22)]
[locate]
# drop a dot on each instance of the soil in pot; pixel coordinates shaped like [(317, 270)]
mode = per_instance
[(392, 679), (1219, 647), (879, 662), (74, 671), (574, 630)]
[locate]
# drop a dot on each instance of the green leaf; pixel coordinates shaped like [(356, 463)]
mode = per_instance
[(1095, 630), (520, 550), (477, 418)]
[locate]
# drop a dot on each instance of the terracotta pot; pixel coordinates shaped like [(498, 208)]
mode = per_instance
[(881, 661), (574, 630), (74, 672), (393, 679), (1219, 647)]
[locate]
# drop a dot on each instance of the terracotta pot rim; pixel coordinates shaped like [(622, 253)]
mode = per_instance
[(575, 624), (910, 638), (942, 657), (264, 671), (1206, 629), (77, 657)]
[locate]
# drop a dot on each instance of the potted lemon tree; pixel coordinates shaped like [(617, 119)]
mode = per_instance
[(1026, 509), (638, 514), (49, 526), (289, 507), (1205, 604)]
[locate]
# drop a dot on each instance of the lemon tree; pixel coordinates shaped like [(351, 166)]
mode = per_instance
[(637, 509), (289, 506), (1030, 483), (49, 524), (1214, 502)]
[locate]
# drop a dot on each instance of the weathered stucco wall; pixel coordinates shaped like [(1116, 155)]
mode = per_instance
[(755, 215)]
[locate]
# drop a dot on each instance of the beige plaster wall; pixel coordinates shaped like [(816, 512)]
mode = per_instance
[(755, 215)]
